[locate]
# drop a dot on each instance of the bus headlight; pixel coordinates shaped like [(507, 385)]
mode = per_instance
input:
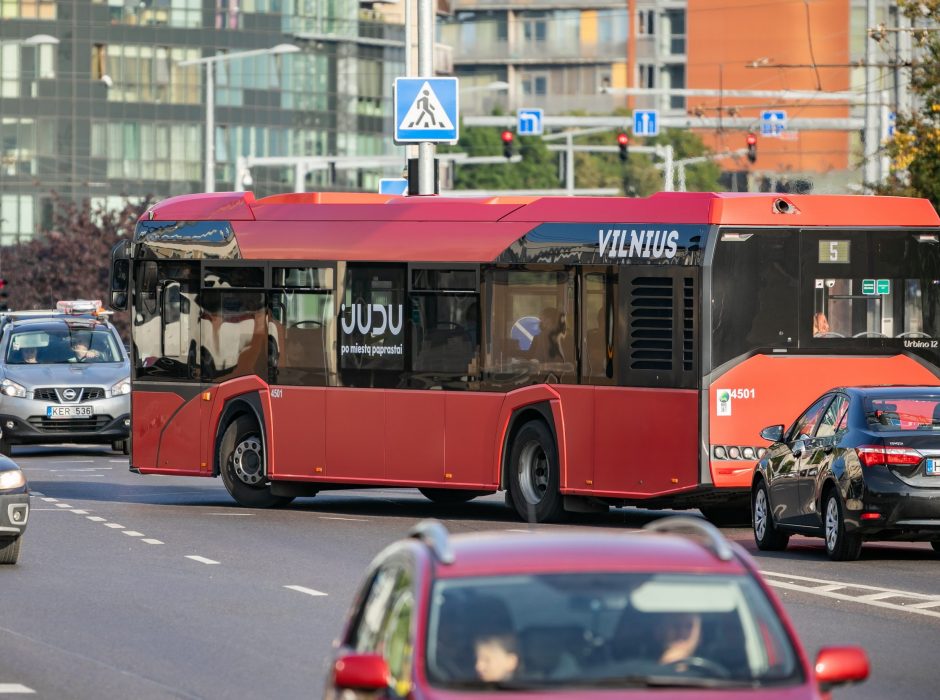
[(748, 453), (720, 452), (122, 388), (11, 388), (734, 453)]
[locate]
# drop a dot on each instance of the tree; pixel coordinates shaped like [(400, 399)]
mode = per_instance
[(71, 260), (915, 148)]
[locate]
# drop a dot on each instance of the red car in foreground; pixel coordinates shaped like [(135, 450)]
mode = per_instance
[(672, 613)]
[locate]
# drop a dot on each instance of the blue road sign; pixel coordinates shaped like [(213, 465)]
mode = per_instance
[(530, 122), (426, 109), (393, 185), (773, 122), (645, 122)]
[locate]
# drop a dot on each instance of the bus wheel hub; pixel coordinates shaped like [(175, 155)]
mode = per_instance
[(247, 461)]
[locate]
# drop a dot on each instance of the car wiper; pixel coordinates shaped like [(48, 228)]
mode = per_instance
[(669, 682)]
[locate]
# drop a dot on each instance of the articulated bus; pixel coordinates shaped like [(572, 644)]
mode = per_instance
[(578, 353)]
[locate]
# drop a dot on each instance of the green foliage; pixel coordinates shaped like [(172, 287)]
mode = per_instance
[(915, 148), (543, 169)]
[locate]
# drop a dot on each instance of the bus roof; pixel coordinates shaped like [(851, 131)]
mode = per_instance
[(728, 209)]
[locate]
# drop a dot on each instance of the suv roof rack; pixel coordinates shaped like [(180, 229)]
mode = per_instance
[(709, 535), (433, 533)]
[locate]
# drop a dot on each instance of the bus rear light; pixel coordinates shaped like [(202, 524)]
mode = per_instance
[(874, 455)]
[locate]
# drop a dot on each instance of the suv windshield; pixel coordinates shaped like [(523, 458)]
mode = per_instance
[(62, 345), (606, 630)]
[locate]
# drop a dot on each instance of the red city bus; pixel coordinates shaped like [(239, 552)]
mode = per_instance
[(578, 353)]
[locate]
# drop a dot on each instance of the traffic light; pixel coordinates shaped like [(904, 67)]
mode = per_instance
[(3, 295), (623, 140), (751, 147), (507, 136)]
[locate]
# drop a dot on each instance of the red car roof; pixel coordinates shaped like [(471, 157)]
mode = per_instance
[(493, 554)]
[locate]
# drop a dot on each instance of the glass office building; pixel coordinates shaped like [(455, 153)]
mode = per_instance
[(95, 104)]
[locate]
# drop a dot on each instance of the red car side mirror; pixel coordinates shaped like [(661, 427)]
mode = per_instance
[(838, 665), (361, 672)]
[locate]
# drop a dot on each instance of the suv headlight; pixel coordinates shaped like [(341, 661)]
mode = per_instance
[(11, 479), (11, 388), (122, 388)]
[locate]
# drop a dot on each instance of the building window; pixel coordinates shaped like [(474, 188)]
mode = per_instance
[(646, 76), (535, 85), (674, 32), (673, 78), (16, 218), (534, 27), (645, 22)]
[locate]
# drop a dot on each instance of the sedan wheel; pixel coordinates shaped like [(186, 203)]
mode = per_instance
[(766, 534), (840, 545)]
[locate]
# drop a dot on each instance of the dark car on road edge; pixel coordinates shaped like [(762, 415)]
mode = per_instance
[(861, 463), (14, 509)]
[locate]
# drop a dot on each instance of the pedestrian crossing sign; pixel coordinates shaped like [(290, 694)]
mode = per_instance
[(426, 109)]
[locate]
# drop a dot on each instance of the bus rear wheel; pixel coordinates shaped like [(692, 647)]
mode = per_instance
[(242, 466), (534, 476)]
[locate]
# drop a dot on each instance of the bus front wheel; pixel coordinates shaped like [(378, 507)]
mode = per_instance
[(534, 475), (242, 465)]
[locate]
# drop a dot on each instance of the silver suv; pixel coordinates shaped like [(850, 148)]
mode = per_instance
[(63, 379)]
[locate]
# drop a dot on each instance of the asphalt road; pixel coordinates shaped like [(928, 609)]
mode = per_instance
[(161, 587)]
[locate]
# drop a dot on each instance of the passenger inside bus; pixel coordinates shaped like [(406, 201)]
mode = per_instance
[(596, 351), (820, 324), (547, 345)]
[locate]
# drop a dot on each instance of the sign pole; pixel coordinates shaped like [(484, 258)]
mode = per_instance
[(425, 68)]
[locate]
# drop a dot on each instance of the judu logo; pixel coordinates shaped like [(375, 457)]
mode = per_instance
[(363, 318)]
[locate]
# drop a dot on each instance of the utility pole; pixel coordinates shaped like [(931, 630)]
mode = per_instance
[(872, 136), (426, 68)]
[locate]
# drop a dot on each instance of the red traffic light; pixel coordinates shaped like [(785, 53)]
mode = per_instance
[(751, 140), (507, 136), (623, 139)]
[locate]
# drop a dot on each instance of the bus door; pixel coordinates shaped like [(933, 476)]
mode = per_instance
[(648, 431), (363, 430), (166, 358)]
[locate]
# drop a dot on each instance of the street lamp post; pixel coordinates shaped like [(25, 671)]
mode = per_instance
[(209, 62)]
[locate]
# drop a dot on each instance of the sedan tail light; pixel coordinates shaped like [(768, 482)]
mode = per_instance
[(874, 455)]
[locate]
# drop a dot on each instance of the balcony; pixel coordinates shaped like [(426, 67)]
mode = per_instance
[(537, 52)]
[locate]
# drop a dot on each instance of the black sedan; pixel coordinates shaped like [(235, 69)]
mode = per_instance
[(14, 509), (861, 463)]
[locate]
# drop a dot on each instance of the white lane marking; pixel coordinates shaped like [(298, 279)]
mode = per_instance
[(50, 510), (96, 518), (308, 591), (15, 689), (71, 461), (62, 505), (916, 603), (133, 533), (519, 529), (89, 469), (241, 515), (151, 541), (118, 461), (79, 511), (50, 500), (114, 526), (38, 493), (201, 560), (333, 517)]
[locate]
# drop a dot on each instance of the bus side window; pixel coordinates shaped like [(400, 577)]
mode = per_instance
[(445, 325), (597, 329)]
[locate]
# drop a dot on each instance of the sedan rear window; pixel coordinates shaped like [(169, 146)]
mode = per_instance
[(61, 346), (606, 630), (903, 412)]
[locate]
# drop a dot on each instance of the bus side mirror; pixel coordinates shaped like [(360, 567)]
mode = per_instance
[(120, 276)]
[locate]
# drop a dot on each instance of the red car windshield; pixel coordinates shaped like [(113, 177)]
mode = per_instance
[(606, 630)]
